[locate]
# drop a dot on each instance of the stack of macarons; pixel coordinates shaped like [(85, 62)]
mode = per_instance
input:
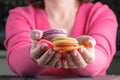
[(59, 41)]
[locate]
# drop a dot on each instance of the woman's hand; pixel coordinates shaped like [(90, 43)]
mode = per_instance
[(41, 54), (82, 57)]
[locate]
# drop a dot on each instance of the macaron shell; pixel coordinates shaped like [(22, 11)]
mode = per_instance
[(63, 38), (55, 31), (65, 43), (52, 33), (48, 43), (51, 36), (66, 48)]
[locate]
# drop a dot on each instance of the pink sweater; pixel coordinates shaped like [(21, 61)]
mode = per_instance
[(96, 20)]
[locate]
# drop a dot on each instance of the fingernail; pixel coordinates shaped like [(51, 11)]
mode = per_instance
[(90, 43), (43, 46), (81, 50), (37, 34), (64, 62), (50, 52), (74, 53), (57, 55), (87, 60), (68, 55)]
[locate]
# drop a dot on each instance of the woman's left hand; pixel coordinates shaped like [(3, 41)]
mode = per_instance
[(82, 57)]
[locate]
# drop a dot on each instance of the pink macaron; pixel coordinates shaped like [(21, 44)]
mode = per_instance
[(52, 33), (48, 43)]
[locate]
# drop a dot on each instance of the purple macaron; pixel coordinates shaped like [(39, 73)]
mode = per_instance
[(52, 33)]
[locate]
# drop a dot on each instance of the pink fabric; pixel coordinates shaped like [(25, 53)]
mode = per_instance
[(96, 20)]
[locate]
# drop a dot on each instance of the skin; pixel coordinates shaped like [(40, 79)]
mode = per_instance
[(60, 15)]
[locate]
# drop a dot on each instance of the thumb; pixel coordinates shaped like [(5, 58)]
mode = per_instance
[(91, 43), (36, 35), (88, 41)]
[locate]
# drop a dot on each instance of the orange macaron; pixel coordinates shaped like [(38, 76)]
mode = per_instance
[(65, 44)]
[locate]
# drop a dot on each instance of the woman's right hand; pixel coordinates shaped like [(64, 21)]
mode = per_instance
[(41, 54)]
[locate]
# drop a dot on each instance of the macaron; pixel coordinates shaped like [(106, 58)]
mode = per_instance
[(52, 33), (48, 43), (65, 44)]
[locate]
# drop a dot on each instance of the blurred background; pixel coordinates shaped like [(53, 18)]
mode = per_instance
[(6, 5)]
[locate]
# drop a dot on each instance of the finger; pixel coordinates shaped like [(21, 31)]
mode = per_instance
[(54, 60), (58, 65), (70, 61), (48, 43), (89, 56), (64, 64), (78, 59), (34, 44), (88, 41), (38, 51), (36, 34), (81, 39), (45, 58)]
